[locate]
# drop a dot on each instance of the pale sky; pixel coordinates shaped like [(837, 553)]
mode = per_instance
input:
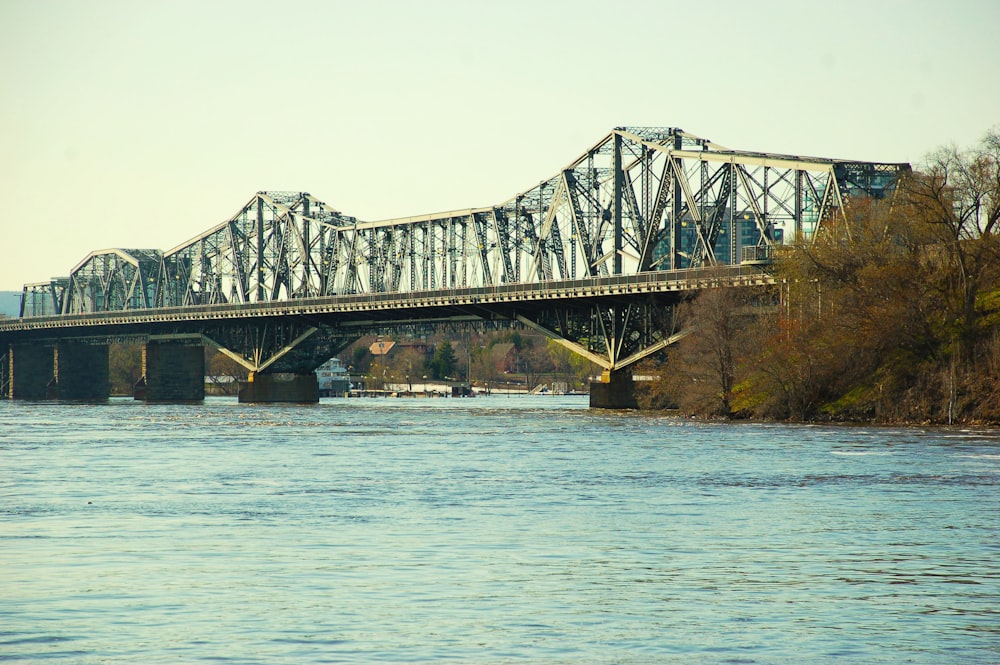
[(140, 124)]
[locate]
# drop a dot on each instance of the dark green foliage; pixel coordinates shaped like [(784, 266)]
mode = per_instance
[(443, 363)]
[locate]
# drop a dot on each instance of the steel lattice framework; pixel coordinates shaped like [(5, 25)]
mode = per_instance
[(641, 199)]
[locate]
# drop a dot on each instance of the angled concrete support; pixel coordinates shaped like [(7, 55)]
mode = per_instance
[(297, 388), (173, 369)]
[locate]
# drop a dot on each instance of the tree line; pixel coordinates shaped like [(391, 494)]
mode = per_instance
[(502, 357), (891, 313)]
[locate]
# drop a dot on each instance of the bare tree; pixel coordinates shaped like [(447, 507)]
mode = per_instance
[(124, 367), (957, 196), (703, 368)]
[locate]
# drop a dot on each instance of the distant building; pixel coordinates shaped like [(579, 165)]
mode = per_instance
[(385, 348), (381, 348), (747, 236), (333, 378), (504, 357)]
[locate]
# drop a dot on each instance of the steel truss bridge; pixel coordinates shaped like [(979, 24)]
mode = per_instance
[(594, 257)]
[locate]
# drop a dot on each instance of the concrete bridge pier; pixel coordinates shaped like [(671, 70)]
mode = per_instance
[(280, 387), (173, 369), (32, 370), (616, 390), (66, 370), (81, 371)]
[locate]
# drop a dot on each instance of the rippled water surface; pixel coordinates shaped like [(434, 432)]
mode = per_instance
[(488, 530)]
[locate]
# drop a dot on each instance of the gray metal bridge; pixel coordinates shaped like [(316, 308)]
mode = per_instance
[(594, 257)]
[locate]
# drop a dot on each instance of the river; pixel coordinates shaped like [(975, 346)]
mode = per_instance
[(492, 529)]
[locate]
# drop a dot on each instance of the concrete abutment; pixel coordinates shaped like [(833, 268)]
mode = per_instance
[(296, 388), (32, 370), (64, 370), (616, 390), (173, 369), (81, 371)]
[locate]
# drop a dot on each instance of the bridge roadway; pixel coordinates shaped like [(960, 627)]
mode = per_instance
[(363, 310), (295, 336)]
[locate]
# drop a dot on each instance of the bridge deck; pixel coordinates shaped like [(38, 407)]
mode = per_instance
[(393, 306)]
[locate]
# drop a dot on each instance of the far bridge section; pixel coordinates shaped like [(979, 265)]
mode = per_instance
[(594, 257)]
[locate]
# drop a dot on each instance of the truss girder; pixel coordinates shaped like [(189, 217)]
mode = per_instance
[(614, 334), (279, 346), (641, 198), (114, 279)]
